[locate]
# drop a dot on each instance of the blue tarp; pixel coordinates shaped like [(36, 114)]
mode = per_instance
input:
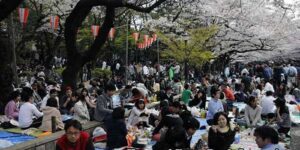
[(15, 138), (202, 121)]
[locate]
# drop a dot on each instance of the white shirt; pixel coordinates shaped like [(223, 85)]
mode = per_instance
[(118, 66), (145, 70), (267, 104), (269, 87), (227, 71), (26, 114), (103, 65), (177, 69), (245, 71)]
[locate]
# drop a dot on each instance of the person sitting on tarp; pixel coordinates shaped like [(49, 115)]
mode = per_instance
[(139, 114), (11, 108), (74, 138), (29, 115), (116, 129), (50, 110), (267, 138)]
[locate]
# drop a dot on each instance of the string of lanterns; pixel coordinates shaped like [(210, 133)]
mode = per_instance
[(147, 41), (54, 23)]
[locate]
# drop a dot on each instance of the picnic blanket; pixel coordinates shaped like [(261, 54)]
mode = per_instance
[(13, 138), (294, 113), (31, 132), (240, 105), (198, 134)]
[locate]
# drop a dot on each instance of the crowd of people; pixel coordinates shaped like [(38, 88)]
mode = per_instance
[(266, 90)]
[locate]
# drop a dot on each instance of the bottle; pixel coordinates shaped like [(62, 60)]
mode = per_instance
[(237, 138)]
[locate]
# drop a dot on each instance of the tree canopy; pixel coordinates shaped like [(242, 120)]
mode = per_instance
[(194, 48)]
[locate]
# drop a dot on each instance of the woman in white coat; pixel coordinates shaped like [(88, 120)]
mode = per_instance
[(81, 112), (139, 114)]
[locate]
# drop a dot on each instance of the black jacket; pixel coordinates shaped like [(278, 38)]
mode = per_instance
[(116, 133)]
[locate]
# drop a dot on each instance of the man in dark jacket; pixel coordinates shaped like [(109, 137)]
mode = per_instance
[(277, 76), (104, 104), (116, 129)]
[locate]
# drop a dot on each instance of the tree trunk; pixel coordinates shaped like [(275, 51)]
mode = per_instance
[(70, 74), (6, 75), (76, 60), (6, 72)]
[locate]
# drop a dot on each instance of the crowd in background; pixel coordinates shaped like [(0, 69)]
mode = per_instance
[(265, 88)]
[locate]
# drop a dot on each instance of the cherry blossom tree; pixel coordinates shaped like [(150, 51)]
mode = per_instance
[(248, 29)]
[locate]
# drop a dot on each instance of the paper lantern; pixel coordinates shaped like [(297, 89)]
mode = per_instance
[(148, 43), (139, 45), (154, 35), (23, 16), (54, 21), (95, 30), (135, 36), (146, 37), (111, 33), (151, 40)]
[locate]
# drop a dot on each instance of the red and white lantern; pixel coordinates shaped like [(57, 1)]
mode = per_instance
[(154, 35), (95, 30), (151, 40), (146, 37), (54, 21), (135, 36), (111, 33), (149, 43), (139, 45), (23, 16)]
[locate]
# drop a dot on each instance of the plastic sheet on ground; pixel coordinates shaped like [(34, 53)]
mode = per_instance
[(5, 143), (294, 113), (198, 134), (66, 117), (14, 138), (240, 105)]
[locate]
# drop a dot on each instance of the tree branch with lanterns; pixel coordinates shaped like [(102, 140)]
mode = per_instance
[(76, 60)]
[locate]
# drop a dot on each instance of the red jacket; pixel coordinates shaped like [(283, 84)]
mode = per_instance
[(84, 142), (229, 94)]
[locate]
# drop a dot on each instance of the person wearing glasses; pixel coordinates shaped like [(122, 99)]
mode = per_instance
[(74, 138)]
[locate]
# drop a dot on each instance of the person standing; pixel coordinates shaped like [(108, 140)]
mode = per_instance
[(186, 94)]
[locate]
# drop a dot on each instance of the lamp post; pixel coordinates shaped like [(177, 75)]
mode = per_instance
[(185, 38), (126, 68), (157, 42), (185, 61)]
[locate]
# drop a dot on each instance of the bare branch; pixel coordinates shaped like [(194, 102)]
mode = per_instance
[(144, 9)]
